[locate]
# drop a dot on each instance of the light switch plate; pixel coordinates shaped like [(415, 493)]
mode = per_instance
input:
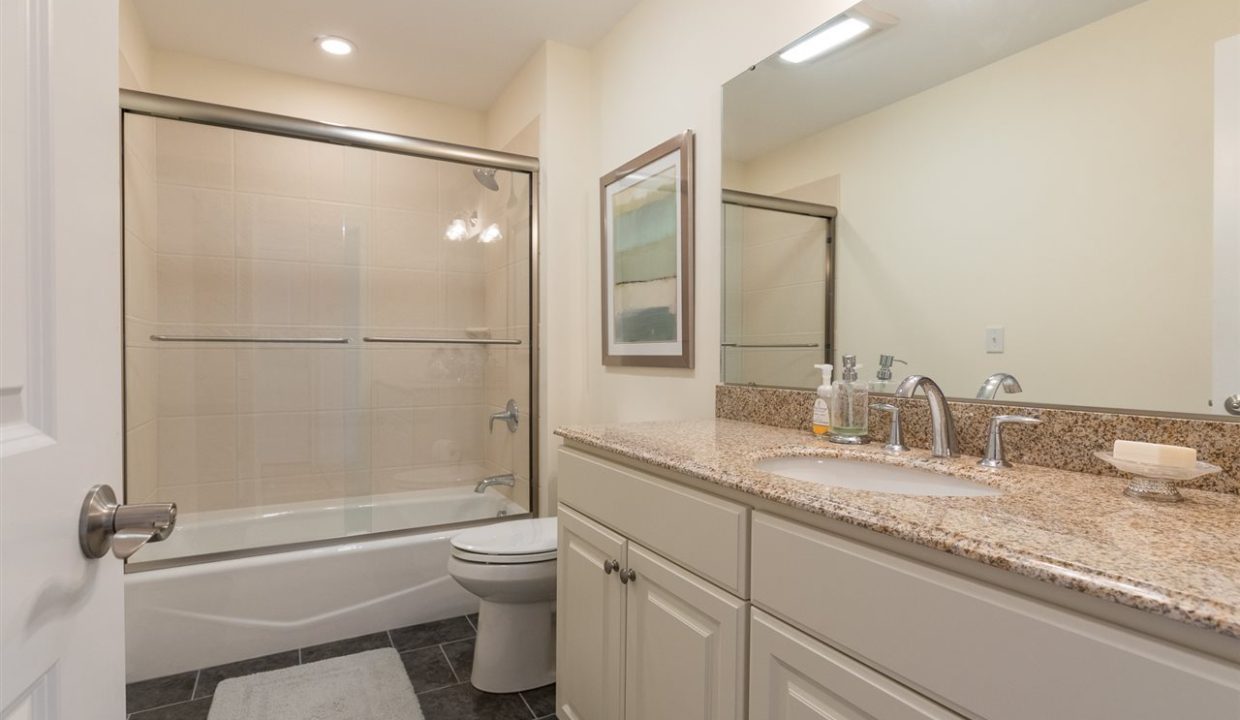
[(994, 339)]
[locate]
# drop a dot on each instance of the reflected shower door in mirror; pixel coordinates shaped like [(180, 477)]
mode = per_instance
[(776, 290), (318, 335), (1042, 189)]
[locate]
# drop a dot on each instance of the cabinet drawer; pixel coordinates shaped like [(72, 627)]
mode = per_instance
[(794, 677), (706, 534), (975, 646)]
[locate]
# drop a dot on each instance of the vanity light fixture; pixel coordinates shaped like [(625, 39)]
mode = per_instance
[(464, 229), (490, 234), (830, 37), (334, 45), (457, 230)]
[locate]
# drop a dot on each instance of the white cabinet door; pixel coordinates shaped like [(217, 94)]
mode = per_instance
[(795, 677), (589, 620), (61, 616), (684, 644)]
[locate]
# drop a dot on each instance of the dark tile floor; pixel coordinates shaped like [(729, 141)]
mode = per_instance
[(438, 657)]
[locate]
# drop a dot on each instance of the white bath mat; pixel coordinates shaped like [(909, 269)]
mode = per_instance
[(367, 686)]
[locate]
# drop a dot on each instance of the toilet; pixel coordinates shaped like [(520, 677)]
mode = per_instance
[(510, 566)]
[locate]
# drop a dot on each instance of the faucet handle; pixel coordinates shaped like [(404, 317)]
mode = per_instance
[(895, 438), (994, 444)]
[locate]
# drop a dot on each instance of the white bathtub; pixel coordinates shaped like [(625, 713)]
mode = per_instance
[(193, 616)]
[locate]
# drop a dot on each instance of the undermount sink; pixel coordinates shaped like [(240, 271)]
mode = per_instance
[(875, 477)]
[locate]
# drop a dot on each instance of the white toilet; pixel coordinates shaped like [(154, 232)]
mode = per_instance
[(511, 567)]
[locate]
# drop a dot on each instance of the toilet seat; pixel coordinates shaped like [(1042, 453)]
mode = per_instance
[(530, 540)]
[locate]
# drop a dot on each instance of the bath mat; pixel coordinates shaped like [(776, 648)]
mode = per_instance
[(367, 686)]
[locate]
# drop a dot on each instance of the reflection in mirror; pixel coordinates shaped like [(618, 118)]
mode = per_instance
[(777, 265), (1035, 196)]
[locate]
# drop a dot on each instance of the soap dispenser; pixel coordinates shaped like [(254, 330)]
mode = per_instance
[(821, 421), (882, 379), (850, 407)]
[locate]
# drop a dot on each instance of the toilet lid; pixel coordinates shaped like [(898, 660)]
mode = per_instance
[(531, 536)]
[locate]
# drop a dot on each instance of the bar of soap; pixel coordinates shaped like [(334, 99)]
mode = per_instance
[(1155, 454)]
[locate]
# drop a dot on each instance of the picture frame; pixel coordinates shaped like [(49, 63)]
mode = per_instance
[(647, 212)]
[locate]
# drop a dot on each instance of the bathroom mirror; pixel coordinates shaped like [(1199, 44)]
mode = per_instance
[(1044, 188)]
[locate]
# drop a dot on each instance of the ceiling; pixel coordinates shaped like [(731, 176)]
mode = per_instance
[(459, 52), (775, 103)]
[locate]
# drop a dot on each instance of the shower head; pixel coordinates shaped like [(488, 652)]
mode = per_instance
[(486, 178)]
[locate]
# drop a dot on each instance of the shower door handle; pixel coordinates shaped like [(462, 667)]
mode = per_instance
[(106, 524)]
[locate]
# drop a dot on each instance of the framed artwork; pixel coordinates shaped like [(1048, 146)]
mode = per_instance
[(647, 243)]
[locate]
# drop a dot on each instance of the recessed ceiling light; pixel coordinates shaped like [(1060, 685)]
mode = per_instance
[(334, 45)]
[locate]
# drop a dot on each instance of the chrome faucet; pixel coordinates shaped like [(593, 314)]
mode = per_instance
[(943, 441), (487, 482), (508, 415), (990, 388)]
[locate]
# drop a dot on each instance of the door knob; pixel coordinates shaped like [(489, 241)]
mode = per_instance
[(1232, 404), (106, 524)]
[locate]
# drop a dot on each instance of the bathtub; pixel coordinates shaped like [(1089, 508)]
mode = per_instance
[(197, 615)]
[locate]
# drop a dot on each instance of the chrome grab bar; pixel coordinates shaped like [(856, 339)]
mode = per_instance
[(769, 345), (441, 341), (225, 339)]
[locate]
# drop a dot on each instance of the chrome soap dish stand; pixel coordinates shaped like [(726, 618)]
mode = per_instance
[(1156, 482)]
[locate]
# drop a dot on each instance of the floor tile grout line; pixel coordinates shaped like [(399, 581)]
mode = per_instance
[(161, 707), (197, 678), (533, 715), (451, 667)]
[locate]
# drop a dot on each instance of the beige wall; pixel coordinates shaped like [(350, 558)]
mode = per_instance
[(657, 73), (1006, 198)]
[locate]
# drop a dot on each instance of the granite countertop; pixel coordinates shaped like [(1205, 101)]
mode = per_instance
[(1071, 529)]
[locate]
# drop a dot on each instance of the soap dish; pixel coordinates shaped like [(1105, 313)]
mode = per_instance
[(1156, 482)]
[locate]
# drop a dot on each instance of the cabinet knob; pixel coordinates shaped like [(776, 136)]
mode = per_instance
[(610, 566), (628, 576)]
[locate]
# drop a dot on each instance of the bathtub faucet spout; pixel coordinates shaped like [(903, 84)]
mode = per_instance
[(487, 482)]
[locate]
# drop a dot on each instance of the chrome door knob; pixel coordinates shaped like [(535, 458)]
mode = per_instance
[(1232, 404), (106, 524)]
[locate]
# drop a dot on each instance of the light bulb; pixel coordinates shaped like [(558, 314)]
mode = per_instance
[(333, 45), (457, 230), (490, 234)]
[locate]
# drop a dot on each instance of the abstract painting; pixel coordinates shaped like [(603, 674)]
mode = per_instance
[(647, 212)]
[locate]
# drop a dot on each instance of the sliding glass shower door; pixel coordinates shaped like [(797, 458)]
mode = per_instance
[(319, 335)]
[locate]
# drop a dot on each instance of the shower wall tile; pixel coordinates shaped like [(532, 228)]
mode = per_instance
[(340, 174), (141, 396), (463, 297), (336, 296), (273, 228), (406, 183), (518, 300), (272, 165), (195, 221), (273, 293), (391, 438), (196, 381), (191, 154), (194, 450), (141, 459), (254, 235), (140, 279), (198, 290), (407, 239), (403, 298), (339, 234)]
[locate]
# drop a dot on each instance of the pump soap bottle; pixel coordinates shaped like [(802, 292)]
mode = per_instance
[(821, 421), (850, 407)]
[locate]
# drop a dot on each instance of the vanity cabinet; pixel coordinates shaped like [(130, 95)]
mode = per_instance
[(838, 628), (795, 677), (639, 636)]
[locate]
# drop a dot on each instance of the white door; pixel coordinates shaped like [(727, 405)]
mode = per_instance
[(61, 621), (684, 644), (589, 620)]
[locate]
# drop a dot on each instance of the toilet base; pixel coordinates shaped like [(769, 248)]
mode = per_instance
[(515, 647)]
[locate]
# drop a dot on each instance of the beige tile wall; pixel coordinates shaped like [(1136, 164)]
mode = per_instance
[(231, 233), (775, 293)]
